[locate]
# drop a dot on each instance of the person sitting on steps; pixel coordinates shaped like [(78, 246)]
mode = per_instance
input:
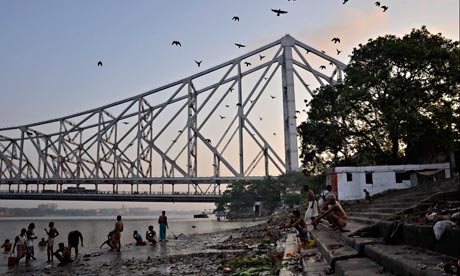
[(334, 214)]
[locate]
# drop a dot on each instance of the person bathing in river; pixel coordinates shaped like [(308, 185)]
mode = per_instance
[(138, 238), (73, 239), (109, 241), (20, 244), (52, 233), (163, 221), (334, 214), (299, 223), (63, 254), (42, 243), (116, 238), (150, 235), (30, 242), (7, 246)]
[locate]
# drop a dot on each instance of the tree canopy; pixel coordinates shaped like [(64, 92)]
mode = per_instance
[(399, 103)]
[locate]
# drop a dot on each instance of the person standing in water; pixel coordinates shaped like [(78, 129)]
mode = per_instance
[(163, 221), (117, 233), (52, 233)]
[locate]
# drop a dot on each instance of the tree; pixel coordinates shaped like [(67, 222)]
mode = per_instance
[(398, 103)]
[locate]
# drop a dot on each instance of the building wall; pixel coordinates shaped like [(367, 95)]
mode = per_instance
[(383, 178)]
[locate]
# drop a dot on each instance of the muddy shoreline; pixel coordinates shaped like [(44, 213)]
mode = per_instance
[(218, 253)]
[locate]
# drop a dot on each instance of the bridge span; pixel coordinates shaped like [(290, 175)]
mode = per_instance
[(237, 120)]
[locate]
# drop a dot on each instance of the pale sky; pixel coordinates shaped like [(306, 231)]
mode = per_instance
[(49, 49)]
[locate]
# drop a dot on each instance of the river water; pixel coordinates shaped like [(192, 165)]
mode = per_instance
[(95, 229)]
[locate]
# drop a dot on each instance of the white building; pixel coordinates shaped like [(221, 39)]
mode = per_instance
[(348, 183)]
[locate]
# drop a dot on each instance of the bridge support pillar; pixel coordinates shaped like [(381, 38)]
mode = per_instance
[(290, 125)]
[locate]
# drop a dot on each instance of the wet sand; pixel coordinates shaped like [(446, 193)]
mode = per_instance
[(199, 254)]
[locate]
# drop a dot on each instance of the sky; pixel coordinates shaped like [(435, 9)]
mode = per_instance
[(49, 49)]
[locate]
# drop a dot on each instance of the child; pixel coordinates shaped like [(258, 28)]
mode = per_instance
[(7, 246), (150, 235), (20, 245), (108, 241), (52, 233), (138, 238), (42, 243), (30, 242), (63, 254), (299, 224)]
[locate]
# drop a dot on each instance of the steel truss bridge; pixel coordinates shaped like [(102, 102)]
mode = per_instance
[(178, 142)]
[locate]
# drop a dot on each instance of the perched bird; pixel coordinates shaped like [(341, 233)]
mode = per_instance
[(247, 63), (198, 62), (261, 57), (99, 63), (278, 12), (322, 51), (125, 123), (308, 51), (322, 67), (338, 51), (208, 140), (180, 131), (231, 89), (251, 101), (385, 8), (344, 1), (222, 117), (377, 4), (272, 96), (240, 45), (261, 118), (227, 105), (177, 43), (336, 40), (331, 63), (236, 18), (238, 104)]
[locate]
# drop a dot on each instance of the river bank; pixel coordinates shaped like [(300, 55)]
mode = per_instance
[(216, 253)]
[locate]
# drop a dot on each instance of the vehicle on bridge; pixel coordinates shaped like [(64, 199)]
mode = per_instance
[(79, 190)]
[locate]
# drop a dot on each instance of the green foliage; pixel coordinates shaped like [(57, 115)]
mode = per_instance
[(240, 196), (399, 103)]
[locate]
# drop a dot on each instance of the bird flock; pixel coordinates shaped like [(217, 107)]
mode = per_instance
[(277, 12)]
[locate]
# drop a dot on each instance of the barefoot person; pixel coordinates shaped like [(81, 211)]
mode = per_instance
[(299, 223), (163, 221), (20, 244), (312, 209), (335, 214), (150, 235), (42, 243), (73, 239), (117, 233), (7, 246), (109, 241), (30, 242), (52, 233), (138, 238), (63, 254)]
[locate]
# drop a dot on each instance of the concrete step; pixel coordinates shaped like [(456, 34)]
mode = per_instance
[(371, 215), (345, 260), (362, 220)]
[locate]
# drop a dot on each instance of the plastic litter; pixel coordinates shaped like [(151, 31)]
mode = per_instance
[(440, 226)]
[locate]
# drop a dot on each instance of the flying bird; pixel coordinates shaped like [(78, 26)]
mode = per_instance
[(177, 43), (336, 40), (227, 105), (261, 118), (377, 4), (338, 51), (385, 8), (198, 62), (247, 63), (240, 45), (261, 57), (274, 133), (272, 96), (278, 12), (344, 1), (322, 67), (222, 117), (99, 63), (125, 123), (236, 18)]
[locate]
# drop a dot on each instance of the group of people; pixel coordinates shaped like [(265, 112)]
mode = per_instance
[(24, 244), (114, 236), (325, 206)]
